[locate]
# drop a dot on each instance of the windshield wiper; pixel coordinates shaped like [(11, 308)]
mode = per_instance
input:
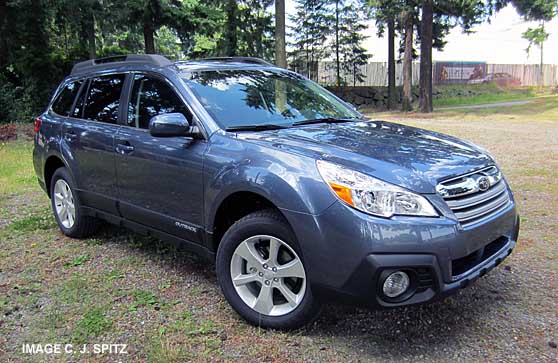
[(256, 127), (325, 120)]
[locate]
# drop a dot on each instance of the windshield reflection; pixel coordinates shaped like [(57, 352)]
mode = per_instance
[(237, 98)]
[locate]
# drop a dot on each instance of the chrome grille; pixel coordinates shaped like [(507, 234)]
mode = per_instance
[(475, 196)]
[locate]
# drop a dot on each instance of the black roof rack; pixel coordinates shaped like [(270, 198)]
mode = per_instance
[(91, 64), (251, 60)]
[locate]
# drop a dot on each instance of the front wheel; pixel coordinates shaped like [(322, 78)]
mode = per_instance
[(262, 274)]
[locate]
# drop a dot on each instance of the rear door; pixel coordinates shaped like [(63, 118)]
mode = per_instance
[(160, 180), (89, 135)]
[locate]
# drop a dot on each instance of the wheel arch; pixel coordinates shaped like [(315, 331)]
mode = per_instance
[(52, 163), (234, 206)]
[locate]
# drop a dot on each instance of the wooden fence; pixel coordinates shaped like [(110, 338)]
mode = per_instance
[(528, 74), (375, 74)]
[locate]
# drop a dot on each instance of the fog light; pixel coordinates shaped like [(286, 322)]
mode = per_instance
[(396, 284)]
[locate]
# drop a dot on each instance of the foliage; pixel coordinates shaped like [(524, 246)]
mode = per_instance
[(313, 21), (324, 29), (535, 36), (42, 39), (249, 30), (544, 10), (93, 323), (349, 38)]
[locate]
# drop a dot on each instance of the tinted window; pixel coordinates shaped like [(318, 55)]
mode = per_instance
[(63, 103), (104, 98), (78, 108), (150, 97), (259, 97)]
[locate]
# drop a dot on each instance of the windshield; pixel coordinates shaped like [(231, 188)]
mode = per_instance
[(237, 98)]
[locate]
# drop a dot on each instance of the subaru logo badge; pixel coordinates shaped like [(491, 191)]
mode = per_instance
[(483, 183)]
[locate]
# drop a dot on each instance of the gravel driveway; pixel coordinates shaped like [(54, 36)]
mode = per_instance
[(120, 287)]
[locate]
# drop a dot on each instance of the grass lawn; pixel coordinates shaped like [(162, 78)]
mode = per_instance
[(541, 110), (482, 94), (165, 304)]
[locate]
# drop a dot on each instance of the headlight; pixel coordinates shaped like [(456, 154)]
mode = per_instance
[(372, 195)]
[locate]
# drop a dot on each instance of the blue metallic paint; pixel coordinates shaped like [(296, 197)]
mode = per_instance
[(164, 181)]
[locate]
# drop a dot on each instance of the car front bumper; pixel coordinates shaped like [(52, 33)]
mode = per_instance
[(348, 254)]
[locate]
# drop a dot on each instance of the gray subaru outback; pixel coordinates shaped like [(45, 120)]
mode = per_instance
[(297, 197)]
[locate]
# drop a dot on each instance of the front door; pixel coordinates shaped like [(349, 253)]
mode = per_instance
[(160, 180)]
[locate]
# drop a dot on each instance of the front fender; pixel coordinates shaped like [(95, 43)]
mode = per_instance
[(291, 182)]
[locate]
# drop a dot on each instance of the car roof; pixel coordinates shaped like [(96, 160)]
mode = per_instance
[(154, 61), (203, 65)]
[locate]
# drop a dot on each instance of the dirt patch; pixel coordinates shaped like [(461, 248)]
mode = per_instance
[(8, 132)]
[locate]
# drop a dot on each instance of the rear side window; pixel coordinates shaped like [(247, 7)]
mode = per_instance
[(150, 97), (63, 103), (78, 108), (103, 98)]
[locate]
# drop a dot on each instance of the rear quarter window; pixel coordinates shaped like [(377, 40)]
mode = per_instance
[(65, 99)]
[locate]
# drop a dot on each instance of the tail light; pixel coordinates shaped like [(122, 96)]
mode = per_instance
[(38, 123)]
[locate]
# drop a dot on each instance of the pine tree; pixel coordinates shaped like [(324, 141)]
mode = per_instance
[(387, 15), (313, 23), (257, 32), (348, 39), (249, 29)]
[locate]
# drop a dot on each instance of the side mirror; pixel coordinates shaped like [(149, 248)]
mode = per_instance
[(172, 125)]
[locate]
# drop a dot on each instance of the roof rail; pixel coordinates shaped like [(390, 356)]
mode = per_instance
[(154, 59), (252, 60)]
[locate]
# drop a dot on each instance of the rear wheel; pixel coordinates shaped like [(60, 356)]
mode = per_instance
[(66, 207), (262, 274)]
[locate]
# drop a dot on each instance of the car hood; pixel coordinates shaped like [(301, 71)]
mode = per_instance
[(410, 157)]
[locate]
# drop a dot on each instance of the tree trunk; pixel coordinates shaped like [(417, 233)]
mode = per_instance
[(91, 37), (337, 62), (408, 62), (87, 33), (148, 31), (425, 88), (541, 75), (280, 51), (231, 36), (391, 65)]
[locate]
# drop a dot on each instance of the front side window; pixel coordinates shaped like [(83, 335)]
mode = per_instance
[(103, 98), (63, 103), (237, 98), (151, 97)]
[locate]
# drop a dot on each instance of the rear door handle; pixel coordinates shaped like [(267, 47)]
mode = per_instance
[(70, 136), (124, 147)]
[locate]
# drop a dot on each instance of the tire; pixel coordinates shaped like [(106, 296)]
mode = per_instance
[(258, 231), (81, 226)]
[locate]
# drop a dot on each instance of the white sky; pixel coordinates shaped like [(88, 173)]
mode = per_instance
[(497, 42)]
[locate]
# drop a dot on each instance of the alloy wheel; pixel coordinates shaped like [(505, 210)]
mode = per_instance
[(268, 275), (64, 203)]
